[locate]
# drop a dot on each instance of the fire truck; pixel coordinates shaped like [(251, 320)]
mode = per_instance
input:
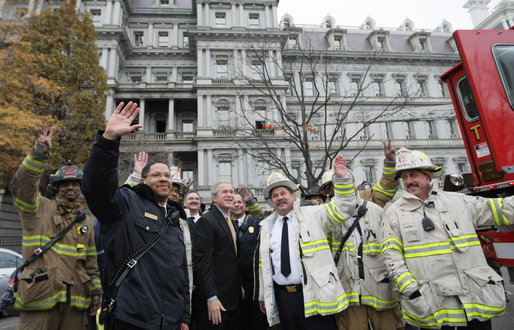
[(482, 92)]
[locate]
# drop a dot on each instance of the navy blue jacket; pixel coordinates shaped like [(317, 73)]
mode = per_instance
[(248, 236), (155, 294)]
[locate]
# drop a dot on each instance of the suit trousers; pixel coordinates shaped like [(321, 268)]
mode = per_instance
[(292, 315), (357, 318)]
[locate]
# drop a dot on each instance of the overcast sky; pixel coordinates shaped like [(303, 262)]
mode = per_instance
[(426, 14)]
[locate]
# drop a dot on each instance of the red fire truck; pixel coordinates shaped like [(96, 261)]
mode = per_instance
[(482, 91)]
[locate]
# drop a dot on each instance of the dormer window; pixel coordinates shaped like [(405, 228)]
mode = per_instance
[(292, 43), (338, 43), (420, 42), (287, 23)]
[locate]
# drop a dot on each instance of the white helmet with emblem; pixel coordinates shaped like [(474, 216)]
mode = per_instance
[(415, 160)]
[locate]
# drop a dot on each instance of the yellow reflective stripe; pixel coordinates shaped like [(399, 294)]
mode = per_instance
[(373, 247), (392, 243), (314, 246), (96, 284), (379, 303), (254, 207), (497, 209), (28, 207), (41, 304), (430, 249), (344, 189), (80, 302), (438, 318), (316, 307), (60, 248), (331, 208), (465, 240), (404, 280), (487, 312), (388, 170), (378, 187), (34, 164), (260, 262)]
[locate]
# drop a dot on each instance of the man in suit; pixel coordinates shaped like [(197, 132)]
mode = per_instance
[(217, 283)]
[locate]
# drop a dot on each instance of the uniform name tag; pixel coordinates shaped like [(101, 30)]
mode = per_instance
[(151, 216)]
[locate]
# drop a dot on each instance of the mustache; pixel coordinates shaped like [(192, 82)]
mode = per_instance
[(410, 185), (281, 201)]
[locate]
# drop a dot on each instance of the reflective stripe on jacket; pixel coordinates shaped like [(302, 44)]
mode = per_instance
[(70, 264), (374, 289), (447, 264), (322, 290)]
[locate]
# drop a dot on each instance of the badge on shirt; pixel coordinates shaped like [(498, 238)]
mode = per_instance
[(151, 216), (251, 229)]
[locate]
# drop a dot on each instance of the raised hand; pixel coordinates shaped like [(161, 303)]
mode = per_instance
[(44, 141), (140, 161), (340, 169), (247, 193), (119, 123), (389, 153)]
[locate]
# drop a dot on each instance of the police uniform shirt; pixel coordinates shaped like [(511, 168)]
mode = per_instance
[(275, 243)]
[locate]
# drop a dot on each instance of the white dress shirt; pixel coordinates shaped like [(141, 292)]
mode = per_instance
[(275, 243)]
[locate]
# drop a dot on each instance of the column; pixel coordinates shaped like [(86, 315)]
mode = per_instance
[(267, 18), (171, 115), (141, 114), (109, 107), (201, 168), (233, 15), (240, 168), (199, 63), (210, 168), (269, 65), (201, 110), (41, 3), (116, 19), (236, 62), (207, 14), (112, 63), (199, 13), (103, 58), (174, 74), (274, 18), (241, 15), (149, 42), (208, 62), (77, 6), (108, 13), (32, 4), (174, 36), (208, 112), (244, 63), (148, 74)]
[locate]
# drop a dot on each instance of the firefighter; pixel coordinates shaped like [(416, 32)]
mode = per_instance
[(315, 194), (432, 251), (61, 285), (298, 281)]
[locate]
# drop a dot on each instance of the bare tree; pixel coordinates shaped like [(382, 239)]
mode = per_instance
[(299, 106)]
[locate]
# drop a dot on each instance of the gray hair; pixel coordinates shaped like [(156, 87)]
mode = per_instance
[(215, 188)]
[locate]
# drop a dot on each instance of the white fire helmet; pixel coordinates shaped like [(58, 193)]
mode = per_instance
[(415, 160), (326, 180), (276, 179), (175, 176)]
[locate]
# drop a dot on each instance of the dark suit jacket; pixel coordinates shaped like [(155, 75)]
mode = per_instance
[(215, 262)]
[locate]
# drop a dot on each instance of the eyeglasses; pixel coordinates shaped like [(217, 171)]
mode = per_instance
[(426, 222), (157, 175)]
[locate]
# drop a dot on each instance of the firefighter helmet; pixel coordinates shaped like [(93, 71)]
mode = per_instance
[(66, 172), (175, 176), (275, 180), (326, 180), (415, 160)]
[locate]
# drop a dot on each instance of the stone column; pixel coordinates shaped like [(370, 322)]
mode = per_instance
[(32, 5), (108, 13), (116, 19), (141, 115), (199, 13), (242, 20), (41, 3), (201, 111), (201, 168), (267, 18), (109, 107), (148, 74), (171, 115), (103, 58), (240, 168), (210, 168), (174, 74), (199, 63), (233, 15), (208, 112), (174, 36), (274, 17), (112, 63), (207, 14), (244, 63), (149, 38), (208, 62)]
